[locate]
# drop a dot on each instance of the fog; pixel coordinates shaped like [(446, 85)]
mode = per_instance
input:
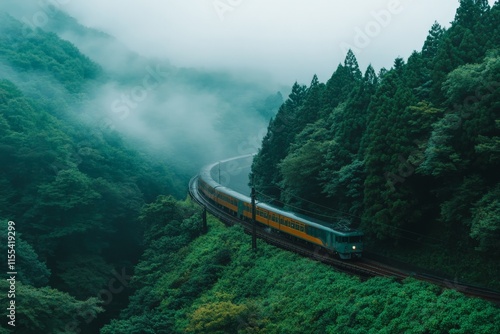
[(197, 80), (290, 39), (185, 116)]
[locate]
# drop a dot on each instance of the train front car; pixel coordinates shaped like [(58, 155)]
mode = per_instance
[(335, 237), (348, 243)]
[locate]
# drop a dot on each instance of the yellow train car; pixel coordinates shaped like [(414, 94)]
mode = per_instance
[(346, 242)]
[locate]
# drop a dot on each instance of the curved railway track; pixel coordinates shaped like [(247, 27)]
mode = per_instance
[(365, 268)]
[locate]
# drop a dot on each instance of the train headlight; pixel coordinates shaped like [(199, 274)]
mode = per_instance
[(353, 247)]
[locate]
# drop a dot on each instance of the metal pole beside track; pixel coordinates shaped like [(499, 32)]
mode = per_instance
[(254, 226), (204, 215)]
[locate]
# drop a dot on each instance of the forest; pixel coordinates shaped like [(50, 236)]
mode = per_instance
[(107, 242), (215, 283), (74, 182), (409, 155)]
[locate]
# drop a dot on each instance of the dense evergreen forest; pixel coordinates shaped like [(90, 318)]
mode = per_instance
[(215, 283), (410, 155), (106, 242), (73, 191), (74, 180)]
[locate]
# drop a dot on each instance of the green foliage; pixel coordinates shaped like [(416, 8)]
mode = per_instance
[(30, 270), (46, 310), (431, 45), (74, 190), (413, 153), (300, 171), (46, 53), (221, 317), (273, 291), (70, 192), (485, 223), (276, 142), (167, 209)]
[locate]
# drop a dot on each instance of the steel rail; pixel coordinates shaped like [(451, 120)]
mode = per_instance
[(364, 268)]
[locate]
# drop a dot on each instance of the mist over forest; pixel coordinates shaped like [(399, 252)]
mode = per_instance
[(91, 132), (108, 109), (182, 114)]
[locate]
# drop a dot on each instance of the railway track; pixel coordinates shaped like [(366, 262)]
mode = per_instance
[(364, 268)]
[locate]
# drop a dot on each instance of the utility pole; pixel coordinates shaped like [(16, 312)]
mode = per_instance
[(219, 172), (204, 229), (254, 226)]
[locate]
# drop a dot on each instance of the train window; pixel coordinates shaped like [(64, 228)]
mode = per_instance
[(356, 238)]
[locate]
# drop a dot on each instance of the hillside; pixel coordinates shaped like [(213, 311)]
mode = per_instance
[(73, 190), (409, 155), (215, 283), (97, 144), (75, 174)]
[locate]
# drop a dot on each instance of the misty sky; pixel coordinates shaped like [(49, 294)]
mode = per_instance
[(291, 39)]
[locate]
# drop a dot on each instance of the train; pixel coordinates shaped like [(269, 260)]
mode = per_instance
[(335, 238)]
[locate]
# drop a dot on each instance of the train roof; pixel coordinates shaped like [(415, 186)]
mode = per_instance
[(338, 228)]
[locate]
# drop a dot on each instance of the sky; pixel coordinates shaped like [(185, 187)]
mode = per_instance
[(267, 44), (285, 40)]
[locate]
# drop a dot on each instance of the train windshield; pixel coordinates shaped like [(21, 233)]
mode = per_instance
[(356, 238)]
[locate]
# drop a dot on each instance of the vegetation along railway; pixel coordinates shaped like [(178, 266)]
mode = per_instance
[(329, 243)]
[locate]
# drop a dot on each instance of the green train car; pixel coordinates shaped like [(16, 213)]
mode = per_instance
[(341, 240)]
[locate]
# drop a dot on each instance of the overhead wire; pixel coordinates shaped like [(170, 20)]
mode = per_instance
[(317, 204), (296, 207), (349, 214)]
